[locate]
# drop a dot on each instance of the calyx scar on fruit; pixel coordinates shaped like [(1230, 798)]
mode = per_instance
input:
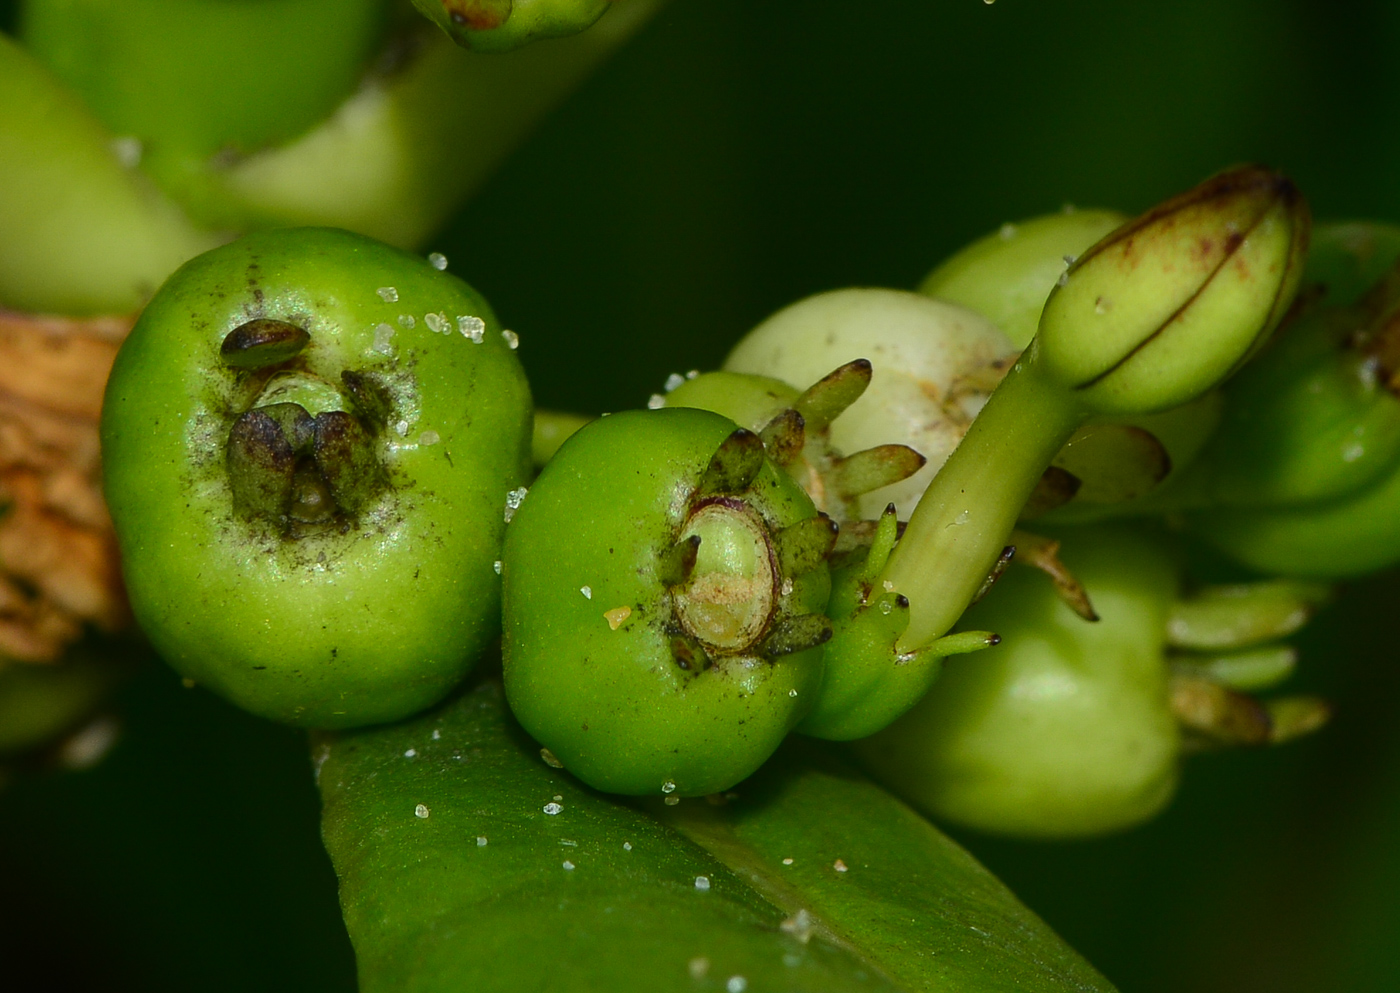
[(308, 443)]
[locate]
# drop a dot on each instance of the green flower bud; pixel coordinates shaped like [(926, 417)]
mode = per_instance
[(503, 25), (1007, 275), (1169, 305)]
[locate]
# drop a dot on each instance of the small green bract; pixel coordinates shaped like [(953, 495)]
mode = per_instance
[(308, 442)]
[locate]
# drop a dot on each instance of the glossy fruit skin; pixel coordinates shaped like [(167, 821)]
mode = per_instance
[(379, 616), (611, 704), (1006, 275), (1064, 729), (1306, 464), (935, 364)]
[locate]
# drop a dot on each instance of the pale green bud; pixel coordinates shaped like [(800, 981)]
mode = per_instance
[(1167, 306), (934, 366), (1007, 275)]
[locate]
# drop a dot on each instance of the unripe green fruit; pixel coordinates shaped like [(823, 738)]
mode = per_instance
[(1007, 275), (664, 589), (796, 431), (1307, 462), (1333, 539), (1065, 728), (308, 442), (748, 400), (192, 78), (933, 363)]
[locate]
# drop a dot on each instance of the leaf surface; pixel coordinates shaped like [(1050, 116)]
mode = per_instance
[(466, 862)]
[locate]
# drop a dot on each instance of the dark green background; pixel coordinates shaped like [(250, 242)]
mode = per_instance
[(738, 156)]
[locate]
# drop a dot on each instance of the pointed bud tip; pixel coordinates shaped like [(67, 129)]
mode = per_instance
[(1167, 306)]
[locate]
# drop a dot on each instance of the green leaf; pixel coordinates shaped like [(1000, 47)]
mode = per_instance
[(455, 875)]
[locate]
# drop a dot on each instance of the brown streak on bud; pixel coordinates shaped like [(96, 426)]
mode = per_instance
[(478, 15)]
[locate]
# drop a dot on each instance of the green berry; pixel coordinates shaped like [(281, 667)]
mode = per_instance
[(664, 589), (1007, 275), (308, 442), (1074, 726), (1065, 728), (796, 431), (932, 365)]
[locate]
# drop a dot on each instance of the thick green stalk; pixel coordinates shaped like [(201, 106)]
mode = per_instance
[(404, 152), (190, 79), (82, 234), (963, 520)]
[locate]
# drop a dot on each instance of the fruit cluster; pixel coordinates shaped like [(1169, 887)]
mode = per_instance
[(317, 456)]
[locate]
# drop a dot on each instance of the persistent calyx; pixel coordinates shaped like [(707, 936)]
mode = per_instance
[(287, 466), (730, 574)]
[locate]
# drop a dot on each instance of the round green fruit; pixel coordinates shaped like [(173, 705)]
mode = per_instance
[(664, 588), (308, 443), (1063, 730)]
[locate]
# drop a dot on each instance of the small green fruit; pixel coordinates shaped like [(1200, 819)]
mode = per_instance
[(1065, 728), (664, 589), (933, 366), (308, 442), (1007, 275)]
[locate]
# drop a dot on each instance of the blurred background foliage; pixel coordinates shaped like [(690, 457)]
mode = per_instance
[(735, 157)]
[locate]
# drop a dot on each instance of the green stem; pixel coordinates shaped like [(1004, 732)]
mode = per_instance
[(965, 517), (403, 153), (82, 233)]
